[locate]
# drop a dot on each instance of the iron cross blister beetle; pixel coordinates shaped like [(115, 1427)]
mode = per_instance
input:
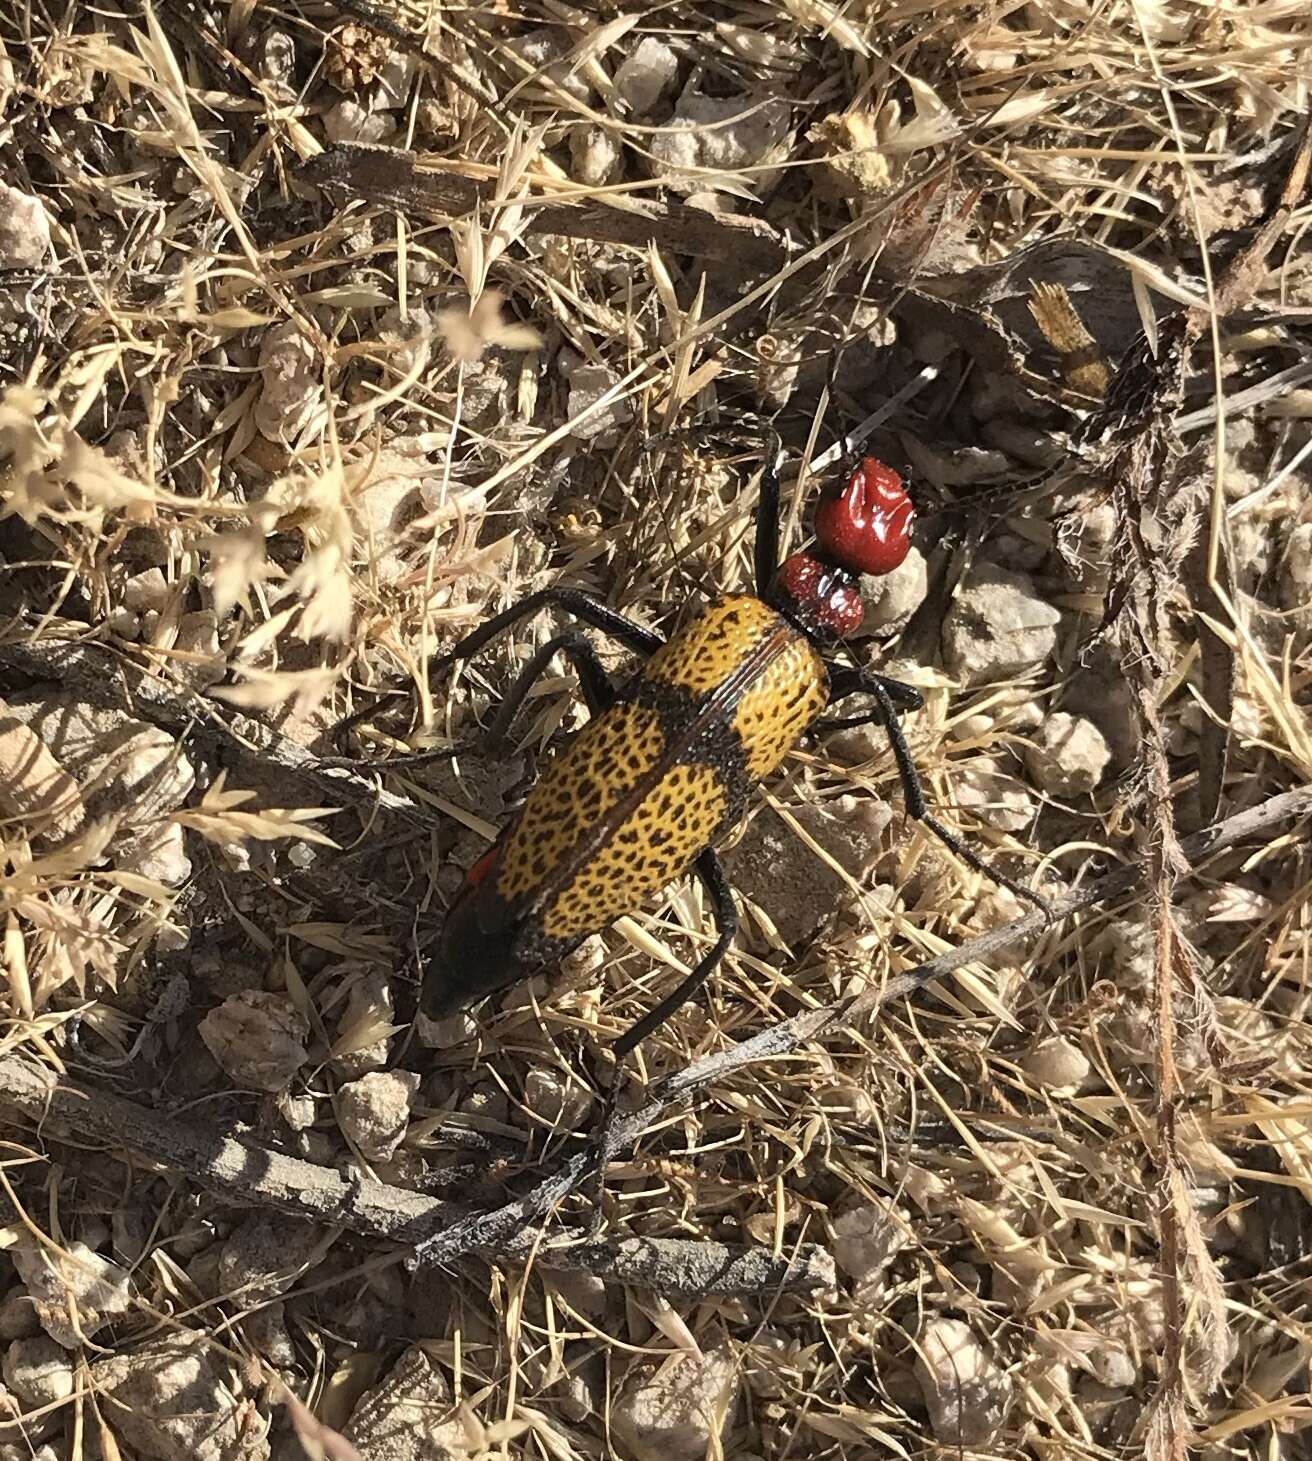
[(643, 793)]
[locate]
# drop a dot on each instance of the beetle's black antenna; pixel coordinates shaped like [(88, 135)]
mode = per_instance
[(766, 559), (851, 444)]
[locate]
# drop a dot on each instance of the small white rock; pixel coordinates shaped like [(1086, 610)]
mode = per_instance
[(866, 1239), (264, 1256), (1068, 755), (159, 854), (348, 121), (645, 75), (1058, 1064), (147, 590), (587, 384), (725, 134), (38, 1371), (374, 1111), (965, 1392), (407, 1416), (998, 627), (555, 1099), (995, 798), (197, 638), (24, 229), (75, 1292), (594, 154), (258, 1038), (678, 1408), (291, 379), (369, 1009), (892, 598), (1113, 1367), (178, 1398)]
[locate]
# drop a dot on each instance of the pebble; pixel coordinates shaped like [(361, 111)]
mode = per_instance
[(403, 1416), (725, 134), (348, 121), (197, 637), (159, 854), (178, 1399), (263, 1257), (34, 788), (998, 627), (24, 230), (677, 1408), (1057, 1064), (374, 1111), (291, 381), (369, 1008), (965, 1392), (1068, 755), (595, 154), (17, 1316), (865, 1241), (125, 765), (556, 1099), (258, 1038), (892, 598), (38, 1371), (646, 75), (74, 1292), (587, 385), (994, 797)]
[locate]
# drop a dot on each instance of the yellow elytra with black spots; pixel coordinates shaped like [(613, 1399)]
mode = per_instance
[(644, 788)]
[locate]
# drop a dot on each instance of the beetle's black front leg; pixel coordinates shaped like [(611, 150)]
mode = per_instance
[(845, 682), (886, 695), (710, 870)]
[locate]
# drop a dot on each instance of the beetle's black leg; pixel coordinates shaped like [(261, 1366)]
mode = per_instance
[(710, 870), (914, 793), (578, 602), (575, 601), (845, 682), (598, 690), (766, 557)]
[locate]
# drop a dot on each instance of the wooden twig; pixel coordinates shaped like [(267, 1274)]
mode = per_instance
[(491, 1230), (107, 678), (252, 1175), (426, 188)]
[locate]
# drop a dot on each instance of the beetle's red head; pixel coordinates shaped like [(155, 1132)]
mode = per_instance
[(866, 527)]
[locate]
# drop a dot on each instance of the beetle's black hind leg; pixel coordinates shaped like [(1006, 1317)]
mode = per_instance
[(890, 696), (710, 870)]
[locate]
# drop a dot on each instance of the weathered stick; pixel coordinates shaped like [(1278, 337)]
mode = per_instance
[(443, 1231), (251, 1175), (107, 678)]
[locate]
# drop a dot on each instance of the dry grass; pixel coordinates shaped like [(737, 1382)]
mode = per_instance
[(223, 378)]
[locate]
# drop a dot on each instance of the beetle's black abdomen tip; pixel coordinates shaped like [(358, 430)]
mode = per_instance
[(469, 963)]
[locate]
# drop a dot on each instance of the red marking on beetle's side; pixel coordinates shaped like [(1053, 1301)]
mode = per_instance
[(482, 867), (867, 526), (828, 598)]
